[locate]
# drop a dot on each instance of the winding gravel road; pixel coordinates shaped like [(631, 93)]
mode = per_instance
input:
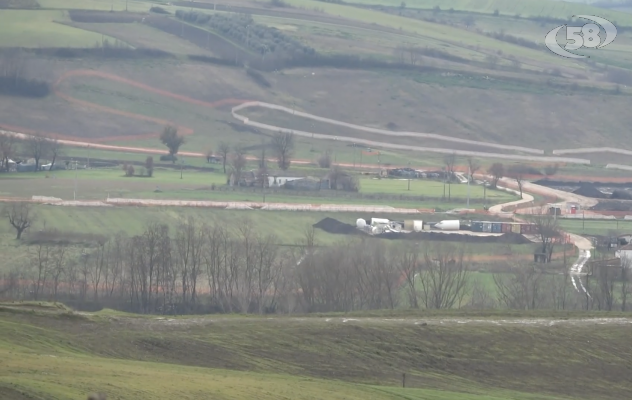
[(372, 143)]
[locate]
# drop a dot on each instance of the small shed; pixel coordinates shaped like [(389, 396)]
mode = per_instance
[(625, 255)]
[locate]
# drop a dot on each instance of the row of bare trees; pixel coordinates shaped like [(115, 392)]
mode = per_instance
[(517, 172), (229, 267), (36, 146)]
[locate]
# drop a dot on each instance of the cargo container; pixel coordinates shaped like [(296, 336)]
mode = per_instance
[(409, 224), (528, 229), (497, 227), (506, 227), (515, 228), (418, 225), (477, 226), (487, 226)]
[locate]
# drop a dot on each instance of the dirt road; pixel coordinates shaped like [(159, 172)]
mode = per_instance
[(372, 143), (157, 322), (243, 103), (240, 104)]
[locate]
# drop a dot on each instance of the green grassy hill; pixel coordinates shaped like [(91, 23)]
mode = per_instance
[(526, 8), (49, 353), (474, 75)]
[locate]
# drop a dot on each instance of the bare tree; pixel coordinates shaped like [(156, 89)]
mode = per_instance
[(40, 256), (474, 166), (7, 150), (606, 281), (413, 54), (58, 267), (548, 231), (443, 276), (224, 150), (480, 297), (324, 161), (263, 162), (407, 259), (497, 170), (626, 285), (37, 146), (519, 289), (449, 160), (238, 162), (209, 154), (190, 241), (55, 149), (20, 215), (283, 144), (339, 178), (400, 54), (517, 172)]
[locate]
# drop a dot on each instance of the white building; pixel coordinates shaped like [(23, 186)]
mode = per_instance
[(625, 254)]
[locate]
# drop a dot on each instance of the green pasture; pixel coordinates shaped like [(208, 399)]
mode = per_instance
[(173, 183), (530, 8), (596, 227), (338, 38), (100, 5), (141, 35), (441, 33), (43, 28), (423, 187)]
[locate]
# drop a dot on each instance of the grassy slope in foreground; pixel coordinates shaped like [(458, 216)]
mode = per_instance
[(66, 356)]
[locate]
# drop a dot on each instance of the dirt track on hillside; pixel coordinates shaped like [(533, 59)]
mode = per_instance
[(98, 143), (95, 143)]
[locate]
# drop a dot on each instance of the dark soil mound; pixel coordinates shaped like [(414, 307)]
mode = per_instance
[(513, 238), (621, 195), (613, 205), (588, 190), (509, 238), (334, 226)]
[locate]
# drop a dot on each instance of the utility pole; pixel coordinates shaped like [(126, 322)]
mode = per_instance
[(468, 186), (354, 145), (74, 194), (409, 176)]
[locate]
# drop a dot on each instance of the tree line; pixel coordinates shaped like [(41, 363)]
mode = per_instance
[(242, 28), (13, 77), (224, 266), (37, 146)]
